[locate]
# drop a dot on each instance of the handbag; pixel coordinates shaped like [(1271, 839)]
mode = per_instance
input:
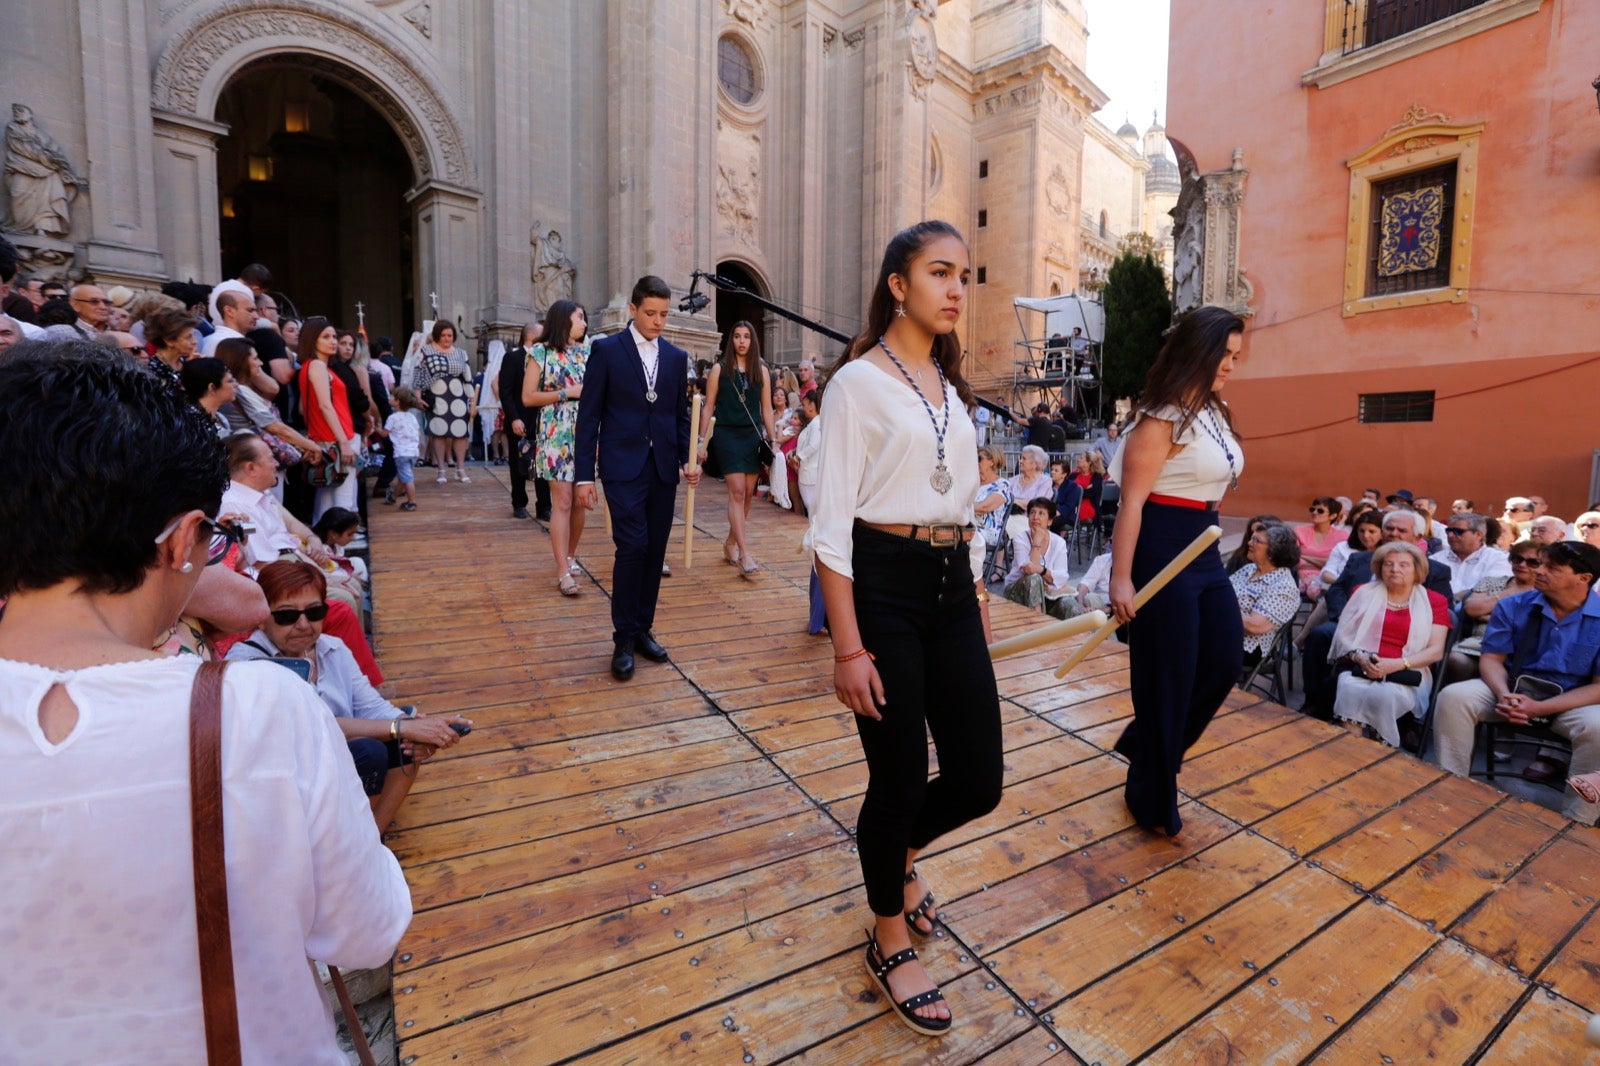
[(285, 453), (219, 998), (331, 472), (1350, 664)]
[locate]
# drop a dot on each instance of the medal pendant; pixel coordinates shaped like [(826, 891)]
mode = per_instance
[(650, 394), (941, 479)]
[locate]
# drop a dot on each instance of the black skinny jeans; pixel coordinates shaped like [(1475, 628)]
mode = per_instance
[(917, 611)]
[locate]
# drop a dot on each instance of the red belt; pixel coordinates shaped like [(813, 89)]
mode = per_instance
[(1180, 501)]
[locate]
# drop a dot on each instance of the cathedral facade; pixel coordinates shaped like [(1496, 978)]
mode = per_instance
[(475, 159)]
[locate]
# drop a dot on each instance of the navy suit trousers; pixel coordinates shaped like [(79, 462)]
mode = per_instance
[(641, 522)]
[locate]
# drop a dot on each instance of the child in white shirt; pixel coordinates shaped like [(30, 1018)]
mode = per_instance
[(405, 435)]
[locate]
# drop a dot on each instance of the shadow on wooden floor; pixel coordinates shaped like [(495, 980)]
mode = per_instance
[(664, 869)]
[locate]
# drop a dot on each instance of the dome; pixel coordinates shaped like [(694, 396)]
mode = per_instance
[(1128, 130), (1155, 124), (1164, 175)]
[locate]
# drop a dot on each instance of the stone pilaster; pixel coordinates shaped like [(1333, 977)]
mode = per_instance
[(124, 234), (185, 150)]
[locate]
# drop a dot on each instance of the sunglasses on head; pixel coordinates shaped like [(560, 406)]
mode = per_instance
[(288, 616)]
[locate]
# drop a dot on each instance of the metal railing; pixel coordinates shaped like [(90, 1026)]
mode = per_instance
[(1370, 22)]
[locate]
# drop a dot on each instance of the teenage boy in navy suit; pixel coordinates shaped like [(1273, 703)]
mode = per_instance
[(634, 414)]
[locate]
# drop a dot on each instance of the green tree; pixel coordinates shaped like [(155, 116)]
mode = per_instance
[(1138, 311)]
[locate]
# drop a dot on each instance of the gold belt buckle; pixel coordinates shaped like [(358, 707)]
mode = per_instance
[(944, 536)]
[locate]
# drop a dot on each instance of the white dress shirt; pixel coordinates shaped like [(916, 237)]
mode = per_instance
[(1466, 573), (272, 536), (649, 355), (1097, 579)]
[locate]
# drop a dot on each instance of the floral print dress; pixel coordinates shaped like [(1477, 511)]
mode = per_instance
[(558, 424)]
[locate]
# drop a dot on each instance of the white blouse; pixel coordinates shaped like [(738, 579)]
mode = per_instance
[(98, 926), (1200, 471), (805, 451), (877, 454)]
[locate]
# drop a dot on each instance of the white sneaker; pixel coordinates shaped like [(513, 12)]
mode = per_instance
[(441, 479)]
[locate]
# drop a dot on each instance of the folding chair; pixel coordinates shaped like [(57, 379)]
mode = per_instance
[(1273, 664)]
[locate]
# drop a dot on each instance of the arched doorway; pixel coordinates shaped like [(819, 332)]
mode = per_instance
[(736, 307), (312, 182)]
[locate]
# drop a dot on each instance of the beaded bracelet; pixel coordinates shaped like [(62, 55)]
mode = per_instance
[(858, 653)]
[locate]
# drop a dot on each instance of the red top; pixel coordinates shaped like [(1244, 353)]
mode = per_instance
[(1086, 508), (1397, 626), (317, 427)]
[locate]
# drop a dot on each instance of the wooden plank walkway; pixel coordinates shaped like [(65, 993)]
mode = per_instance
[(658, 870)]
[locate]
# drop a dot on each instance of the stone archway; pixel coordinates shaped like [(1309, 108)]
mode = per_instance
[(363, 55)]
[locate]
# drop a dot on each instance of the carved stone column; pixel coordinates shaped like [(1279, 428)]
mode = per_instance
[(185, 149), (1206, 231)]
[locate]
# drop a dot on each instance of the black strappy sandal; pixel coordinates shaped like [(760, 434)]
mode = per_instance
[(880, 968), (920, 912)]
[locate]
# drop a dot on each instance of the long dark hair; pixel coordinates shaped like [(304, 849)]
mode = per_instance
[(1183, 372), (558, 325), (897, 255), (310, 330), (729, 359)]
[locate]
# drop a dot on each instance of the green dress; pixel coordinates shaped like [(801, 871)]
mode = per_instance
[(737, 436)]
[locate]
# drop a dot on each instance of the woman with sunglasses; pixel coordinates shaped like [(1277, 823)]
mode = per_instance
[(111, 481), (1525, 559), (1318, 538), (381, 736)]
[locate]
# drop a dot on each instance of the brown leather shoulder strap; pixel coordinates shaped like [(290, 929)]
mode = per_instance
[(210, 872)]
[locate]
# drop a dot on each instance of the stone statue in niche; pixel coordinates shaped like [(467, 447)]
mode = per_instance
[(555, 277), (39, 178)]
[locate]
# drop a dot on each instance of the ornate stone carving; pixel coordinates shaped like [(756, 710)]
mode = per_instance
[(223, 34), (749, 12), (40, 180), (738, 200), (49, 258), (1206, 237), (555, 277), (1416, 115), (923, 63), (1058, 192), (421, 17)]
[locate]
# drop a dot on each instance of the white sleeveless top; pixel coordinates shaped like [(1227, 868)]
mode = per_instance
[(1201, 471)]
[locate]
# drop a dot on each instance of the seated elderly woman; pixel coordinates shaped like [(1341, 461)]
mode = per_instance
[(112, 484), (992, 503), (1032, 479), (381, 736), (1038, 576), (1241, 555), (1268, 594), (1392, 630)]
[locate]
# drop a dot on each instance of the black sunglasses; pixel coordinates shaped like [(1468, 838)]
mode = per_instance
[(1525, 560), (1319, 510), (1455, 529), (288, 616)]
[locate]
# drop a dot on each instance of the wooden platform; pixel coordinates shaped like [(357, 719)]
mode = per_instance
[(659, 870)]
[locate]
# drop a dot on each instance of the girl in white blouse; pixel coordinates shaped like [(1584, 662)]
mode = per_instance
[(891, 537), (1185, 646)]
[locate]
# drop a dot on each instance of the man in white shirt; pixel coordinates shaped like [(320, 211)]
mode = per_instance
[(252, 281), (252, 471), (1469, 559), (238, 311), (1038, 576), (1094, 588)]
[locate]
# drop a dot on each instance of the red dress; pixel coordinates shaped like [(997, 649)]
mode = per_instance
[(1397, 626)]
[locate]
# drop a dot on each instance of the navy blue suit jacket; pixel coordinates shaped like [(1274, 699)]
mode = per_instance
[(615, 417)]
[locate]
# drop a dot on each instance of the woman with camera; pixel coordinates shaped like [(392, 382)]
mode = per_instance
[(1391, 631), (382, 737), (112, 485)]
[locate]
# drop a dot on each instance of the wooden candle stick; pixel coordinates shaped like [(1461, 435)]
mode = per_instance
[(1153, 586), (694, 465), (1038, 638)]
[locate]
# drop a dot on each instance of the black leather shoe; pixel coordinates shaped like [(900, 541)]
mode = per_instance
[(622, 660), (542, 514), (522, 513), (650, 648)]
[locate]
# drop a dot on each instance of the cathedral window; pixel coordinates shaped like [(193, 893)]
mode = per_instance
[(736, 69)]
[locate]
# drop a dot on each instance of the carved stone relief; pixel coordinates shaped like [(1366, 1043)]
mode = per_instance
[(1058, 192), (1206, 226), (421, 18), (438, 147), (738, 184), (749, 12), (923, 63), (41, 182)]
